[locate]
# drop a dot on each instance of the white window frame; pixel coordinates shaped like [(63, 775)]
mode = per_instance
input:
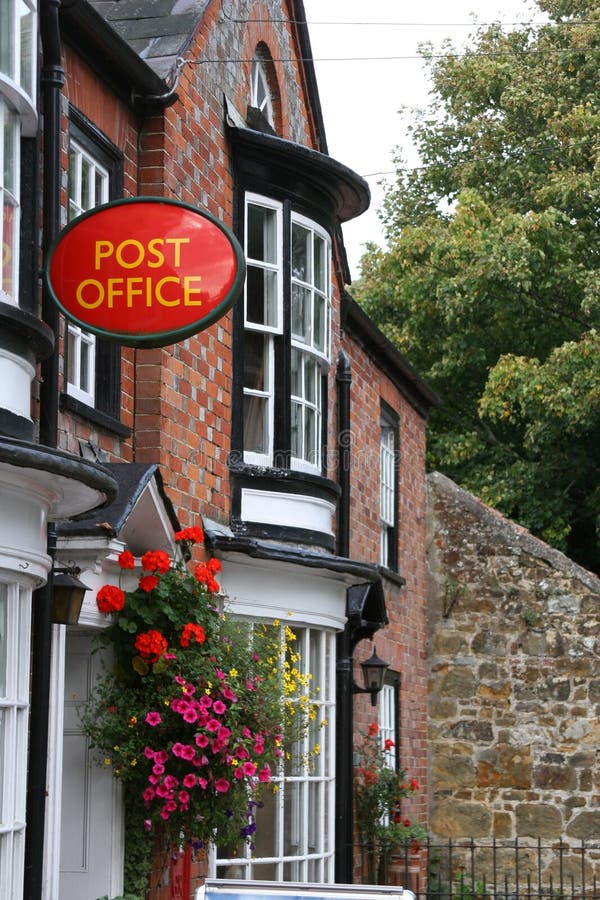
[(15, 627), (268, 330), (304, 807), (9, 203), (80, 341), (387, 487), (387, 722), (260, 92), (310, 460)]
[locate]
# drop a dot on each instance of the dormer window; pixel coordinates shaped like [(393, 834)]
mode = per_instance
[(260, 92)]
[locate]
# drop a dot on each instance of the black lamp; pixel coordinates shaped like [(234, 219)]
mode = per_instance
[(67, 596), (374, 670)]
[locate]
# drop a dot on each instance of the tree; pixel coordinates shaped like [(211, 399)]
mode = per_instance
[(490, 285)]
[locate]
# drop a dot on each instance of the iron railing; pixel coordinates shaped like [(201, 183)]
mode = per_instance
[(516, 869)]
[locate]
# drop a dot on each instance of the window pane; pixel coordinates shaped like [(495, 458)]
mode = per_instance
[(261, 296), (310, 436), (72, 343), (320, 327), (26, 48), (296, 373), (301, 258), (9, 177), (84, 371), (8, 248), (262, 234), (7, 33), (256, 438), (296, 430), (301, 301), (310, 380), (87, 199), (320, 254), (254, 360), (3, 644)]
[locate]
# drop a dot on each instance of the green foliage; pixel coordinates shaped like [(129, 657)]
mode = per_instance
[(491, 283), (194, 711)]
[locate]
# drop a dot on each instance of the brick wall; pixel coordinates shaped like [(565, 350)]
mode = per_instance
[(402, 643)]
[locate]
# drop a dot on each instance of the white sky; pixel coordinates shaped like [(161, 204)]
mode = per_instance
[(361, 98)]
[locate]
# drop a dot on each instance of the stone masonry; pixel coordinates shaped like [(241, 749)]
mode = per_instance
[(514, 679)]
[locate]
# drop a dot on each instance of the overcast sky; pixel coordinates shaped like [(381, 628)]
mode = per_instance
[(367, 71)]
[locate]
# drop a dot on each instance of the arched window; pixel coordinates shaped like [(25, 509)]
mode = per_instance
[(260, 92)]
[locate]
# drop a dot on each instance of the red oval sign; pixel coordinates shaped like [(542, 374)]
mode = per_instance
[(145, 271)]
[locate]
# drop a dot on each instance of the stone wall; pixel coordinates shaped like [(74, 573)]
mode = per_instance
[(514, 679)]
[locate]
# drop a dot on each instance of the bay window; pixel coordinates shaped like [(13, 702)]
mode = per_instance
[(295, 826), (286, 336), (15, 612)]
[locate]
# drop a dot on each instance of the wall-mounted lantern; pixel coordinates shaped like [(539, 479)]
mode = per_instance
[(374, 670), (67, 596)]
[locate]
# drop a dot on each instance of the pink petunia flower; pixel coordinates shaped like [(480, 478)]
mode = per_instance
[(222, 785), (153, 718)]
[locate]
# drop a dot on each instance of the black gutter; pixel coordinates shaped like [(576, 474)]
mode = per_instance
[(51, 82), (344, 435)]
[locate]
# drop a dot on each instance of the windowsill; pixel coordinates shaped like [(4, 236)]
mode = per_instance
[(109, 423)]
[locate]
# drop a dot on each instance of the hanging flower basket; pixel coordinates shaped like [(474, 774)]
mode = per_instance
[(192, 714)]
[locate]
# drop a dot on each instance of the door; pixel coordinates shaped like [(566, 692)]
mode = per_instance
[(91, 855)]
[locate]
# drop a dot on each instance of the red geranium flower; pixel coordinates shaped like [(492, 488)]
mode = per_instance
[(126, 560), (156, 561), (151, 645), (192, 631), (148, 583), (110, 598), (203, 573), (194, 535)]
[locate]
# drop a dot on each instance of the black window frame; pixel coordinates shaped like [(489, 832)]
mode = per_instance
[(107, 388)]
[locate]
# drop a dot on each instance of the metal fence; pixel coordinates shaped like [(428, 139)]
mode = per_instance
[(518, 869)]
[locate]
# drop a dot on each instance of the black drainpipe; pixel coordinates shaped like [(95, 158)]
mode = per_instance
[(344, 676), (344, 381), (51, 83)]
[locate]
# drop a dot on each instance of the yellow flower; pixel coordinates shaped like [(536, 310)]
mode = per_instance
[(275, 623), (233, 673), (116, 747), (107, 762), (133, 762), (132, 722), (317, 749)]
